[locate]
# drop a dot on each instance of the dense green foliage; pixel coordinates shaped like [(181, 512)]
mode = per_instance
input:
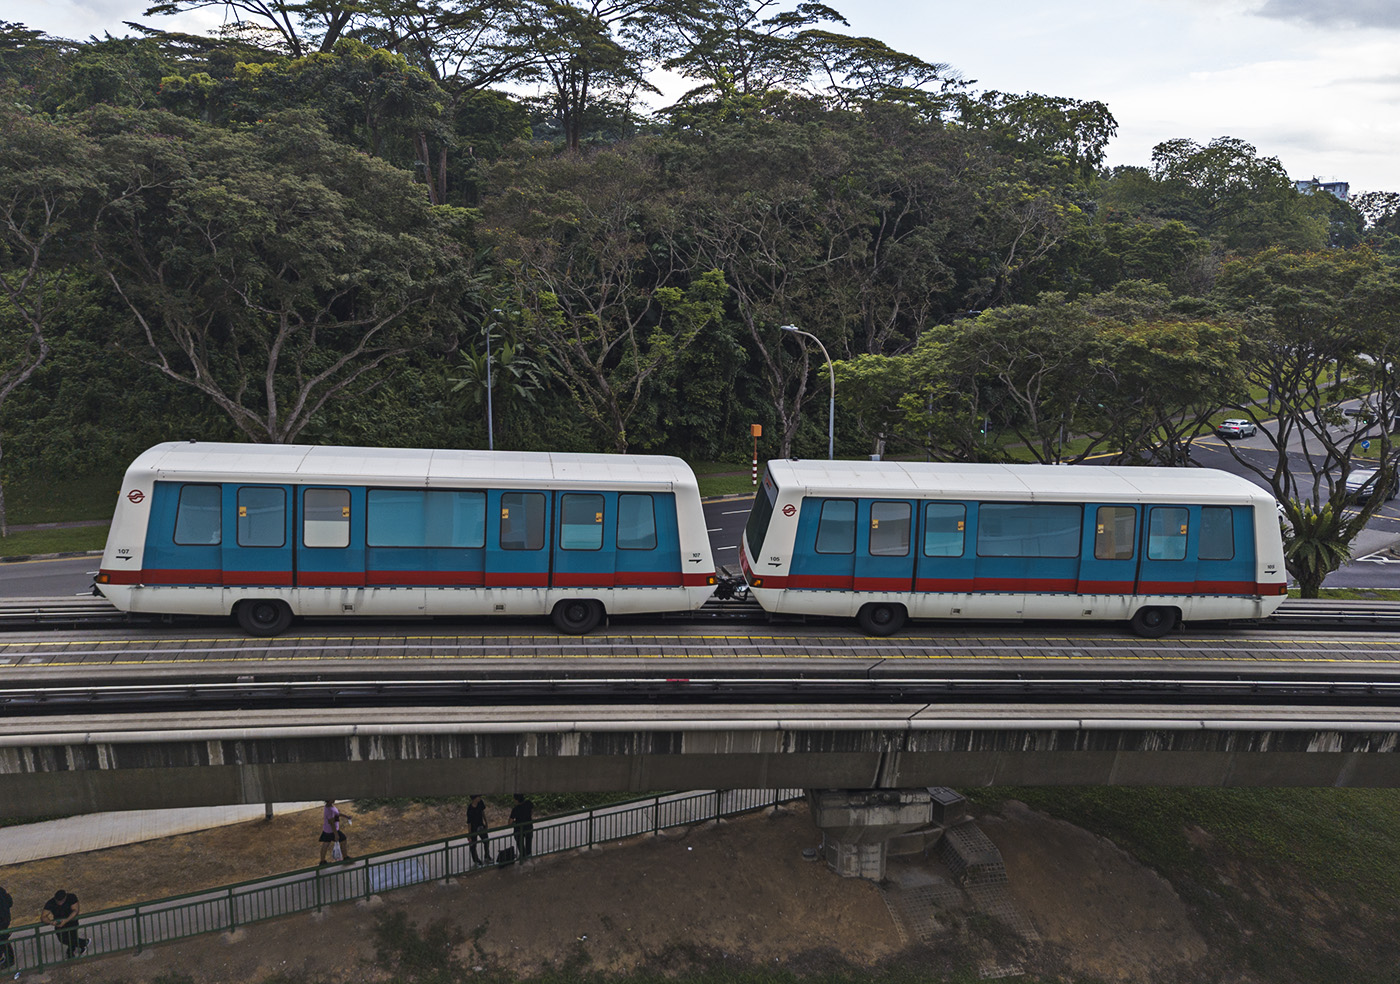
[(327, 222)]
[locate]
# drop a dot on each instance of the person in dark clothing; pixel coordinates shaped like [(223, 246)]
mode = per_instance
[(476, 828), (7, 949), (61, 912), (522, 814)]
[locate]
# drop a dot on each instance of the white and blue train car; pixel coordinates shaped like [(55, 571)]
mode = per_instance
[(885, 541), (268, 532)]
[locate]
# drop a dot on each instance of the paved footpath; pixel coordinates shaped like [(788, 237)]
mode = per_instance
[(73, 835)]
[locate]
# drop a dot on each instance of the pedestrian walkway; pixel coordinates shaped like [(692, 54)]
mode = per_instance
[(227, 908), (94, 831)]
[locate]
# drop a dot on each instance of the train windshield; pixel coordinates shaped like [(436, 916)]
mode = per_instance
[(759, 515)]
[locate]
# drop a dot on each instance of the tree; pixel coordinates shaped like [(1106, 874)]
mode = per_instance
[(1116, 373), (272, 270), (594, 51), (577, 236), (45, 189), (1245, 201), (303, 27), (1069, 134), (1320, 328)]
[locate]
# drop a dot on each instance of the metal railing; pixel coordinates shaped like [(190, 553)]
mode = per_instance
[(226, 908)]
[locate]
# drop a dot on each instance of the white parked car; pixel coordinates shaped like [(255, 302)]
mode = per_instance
[(1237, 428)]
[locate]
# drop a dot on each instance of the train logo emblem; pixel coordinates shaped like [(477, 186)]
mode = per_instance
[(789, 509), (135, 496)]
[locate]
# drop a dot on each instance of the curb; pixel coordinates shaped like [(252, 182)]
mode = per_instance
[(19, 558)]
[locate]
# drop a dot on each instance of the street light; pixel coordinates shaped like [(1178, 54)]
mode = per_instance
[(831, 409)]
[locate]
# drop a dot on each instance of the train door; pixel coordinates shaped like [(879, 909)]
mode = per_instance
[(584, 544), (944, 563), (1225, 551), (1108, 561), (517, 539), (648, 540), (884, 559), (257, 544), (1168, 562), (426, 537), (824, 550), (330, 541), (1027, 557)]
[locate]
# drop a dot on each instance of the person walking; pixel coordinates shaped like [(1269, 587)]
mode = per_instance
[(7, 949), (476, 830), (62, 912), (331, 834), (522, 814)]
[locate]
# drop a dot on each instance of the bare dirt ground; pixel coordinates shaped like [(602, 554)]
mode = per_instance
[(737, 893)]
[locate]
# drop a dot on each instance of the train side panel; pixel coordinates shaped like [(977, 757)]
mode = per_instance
[(836, 552), (203, 545)]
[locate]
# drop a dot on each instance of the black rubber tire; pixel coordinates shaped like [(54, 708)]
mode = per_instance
[(577, 616), (1153, 623), (881, 618), (264, 616)]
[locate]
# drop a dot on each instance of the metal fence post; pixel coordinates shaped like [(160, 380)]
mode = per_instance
[(39, 949), (316, 877), (655, 816), (232, 914), (590, 830), (718, 794), (446, 862), (140, 942), (367, 885)]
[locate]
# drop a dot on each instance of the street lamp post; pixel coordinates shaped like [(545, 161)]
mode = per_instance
[(831, 407)]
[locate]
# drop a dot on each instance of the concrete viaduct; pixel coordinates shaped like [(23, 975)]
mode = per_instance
[(82, 764)]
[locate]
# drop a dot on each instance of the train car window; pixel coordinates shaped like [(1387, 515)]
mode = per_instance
[(836, 527), (636, 522), (522, 520), (1217, 534), (262, 516), (1027, 529), (759, 515), (419, 518), (325, 518), (197, 518), (580, 522), (889, 529), (945, 528), (1115, 533), (1166, 533)]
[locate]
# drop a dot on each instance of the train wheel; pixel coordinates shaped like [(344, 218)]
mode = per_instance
[(577, 616), (264, 617), (881, 619), (1153, 623)]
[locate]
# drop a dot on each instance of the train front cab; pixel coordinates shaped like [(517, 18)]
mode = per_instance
[(268, 551), (884, 559)]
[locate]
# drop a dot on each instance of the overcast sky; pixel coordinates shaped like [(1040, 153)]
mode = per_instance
[(1315, 83)]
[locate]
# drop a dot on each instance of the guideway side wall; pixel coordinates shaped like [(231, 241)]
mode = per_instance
[(51, 767)]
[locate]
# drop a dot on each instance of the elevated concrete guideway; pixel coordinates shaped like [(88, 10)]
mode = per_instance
[(79, 765)]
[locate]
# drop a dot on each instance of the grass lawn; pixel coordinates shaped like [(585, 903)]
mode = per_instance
[(1290, 886)]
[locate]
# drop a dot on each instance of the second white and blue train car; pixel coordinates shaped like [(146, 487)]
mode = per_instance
[(885, 541), (268, 532)]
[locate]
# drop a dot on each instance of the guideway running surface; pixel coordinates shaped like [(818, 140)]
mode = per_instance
[(155, 653)]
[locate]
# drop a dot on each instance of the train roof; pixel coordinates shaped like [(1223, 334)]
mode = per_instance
[(301, 464), (917, 479)]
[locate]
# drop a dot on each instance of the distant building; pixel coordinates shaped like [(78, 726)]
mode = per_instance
[(1337, 189)]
